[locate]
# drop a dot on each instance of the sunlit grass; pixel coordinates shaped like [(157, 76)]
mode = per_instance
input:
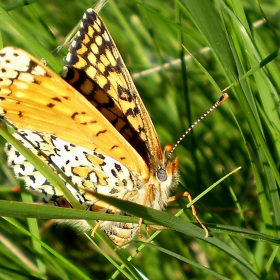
[(242, 212)]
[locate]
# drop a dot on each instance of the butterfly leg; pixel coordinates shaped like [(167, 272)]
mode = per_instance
[(98, 224), (187, 194), (149, 195)]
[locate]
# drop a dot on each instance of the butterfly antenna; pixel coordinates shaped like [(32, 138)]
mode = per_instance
[(221, 100)]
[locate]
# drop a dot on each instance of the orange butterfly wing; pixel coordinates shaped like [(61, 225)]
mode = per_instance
[(33, 97), (95, 68)]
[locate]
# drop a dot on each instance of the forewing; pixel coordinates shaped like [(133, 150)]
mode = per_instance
[(35, 98), (95, 68)]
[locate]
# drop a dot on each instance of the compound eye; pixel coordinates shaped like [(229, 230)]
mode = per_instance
[(162, 175)]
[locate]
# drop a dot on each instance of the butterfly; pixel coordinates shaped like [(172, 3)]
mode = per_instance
[(91, 124)]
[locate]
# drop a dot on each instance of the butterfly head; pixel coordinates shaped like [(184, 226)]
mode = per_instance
[(168, 175), (163, 178)]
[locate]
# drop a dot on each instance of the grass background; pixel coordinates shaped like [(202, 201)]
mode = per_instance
[(242, 212)]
